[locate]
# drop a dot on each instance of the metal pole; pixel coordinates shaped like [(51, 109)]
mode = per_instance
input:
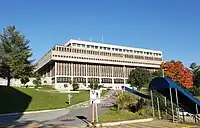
[(165, 105), (197, 112), (170, 91), (177, 104), (158, 108), (69, 98), (183, 115), (96, 105), (92, 112), (163, 73), (152, 103)]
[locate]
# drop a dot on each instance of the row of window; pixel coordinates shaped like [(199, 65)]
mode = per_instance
[(69, 49), (90, 80), (138, 57), (82, 69), (82, 51), (115, 49)]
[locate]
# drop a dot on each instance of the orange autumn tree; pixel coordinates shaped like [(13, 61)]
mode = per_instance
[(179, 73)]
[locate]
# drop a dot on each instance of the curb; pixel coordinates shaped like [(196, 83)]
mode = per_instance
[(31, 112), (48, 110), (124, 122)]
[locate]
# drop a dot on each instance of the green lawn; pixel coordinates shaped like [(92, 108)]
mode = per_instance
[(114, 115), (19, 99), (47, 87), (28, 99), (198, 97), (104, 92)]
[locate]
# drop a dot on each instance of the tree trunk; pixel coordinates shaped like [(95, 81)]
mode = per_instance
[(8, 81)]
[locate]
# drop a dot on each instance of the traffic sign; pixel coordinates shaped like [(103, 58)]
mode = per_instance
[(95, 96)]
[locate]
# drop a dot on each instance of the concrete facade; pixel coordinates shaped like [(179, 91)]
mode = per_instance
[(85, 62)]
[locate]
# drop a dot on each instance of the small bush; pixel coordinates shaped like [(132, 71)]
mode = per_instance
[(65, 85), (124, 100), (195, 91), (47, 87), (75, 86)]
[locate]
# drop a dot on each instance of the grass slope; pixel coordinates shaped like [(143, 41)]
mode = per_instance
[(114, 115), (28, 99)]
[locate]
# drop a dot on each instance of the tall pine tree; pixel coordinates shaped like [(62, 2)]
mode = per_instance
[(16, 60)]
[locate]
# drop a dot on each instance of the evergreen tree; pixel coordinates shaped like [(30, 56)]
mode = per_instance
[(24, 80), (139, 77), (94, 85), (158, 73), (75, 86), (195, 69), (37, 82), (15, 62)]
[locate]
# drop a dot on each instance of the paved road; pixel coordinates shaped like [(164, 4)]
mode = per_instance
[(69, 117)]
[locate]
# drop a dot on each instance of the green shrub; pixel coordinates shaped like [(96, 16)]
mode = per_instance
[(124, 100), (75, 86), (195, 91), (47, 87)]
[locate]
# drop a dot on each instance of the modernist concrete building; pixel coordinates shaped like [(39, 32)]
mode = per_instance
[(85, 62)]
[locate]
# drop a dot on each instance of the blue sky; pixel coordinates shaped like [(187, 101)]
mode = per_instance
[(172, 26)]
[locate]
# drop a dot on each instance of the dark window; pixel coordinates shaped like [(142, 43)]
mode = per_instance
[(80, 79), (106, 80), (63, 79), (118, 81), (139, 57), (95, 80), (148, 58), (157, 59)]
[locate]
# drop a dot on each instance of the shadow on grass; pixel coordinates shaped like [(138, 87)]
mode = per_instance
[(12, 101)]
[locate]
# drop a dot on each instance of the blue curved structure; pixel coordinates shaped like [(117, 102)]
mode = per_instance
[(185, 98), (136, 92)]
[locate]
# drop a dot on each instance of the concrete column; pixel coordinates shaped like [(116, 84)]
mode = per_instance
[(100, 74), (61, 68), (112, 75), (72, 72), (86, 74), (93, 68), (55, 74), (124, 69), (79, 69), (50, 71)]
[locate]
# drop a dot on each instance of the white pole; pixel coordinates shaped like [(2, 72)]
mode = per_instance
[(177, 103), (170, 91), (165, 105), (197, 112), (96, 105), (92, 112), (158, 108), (163, 73), (152, 103)]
